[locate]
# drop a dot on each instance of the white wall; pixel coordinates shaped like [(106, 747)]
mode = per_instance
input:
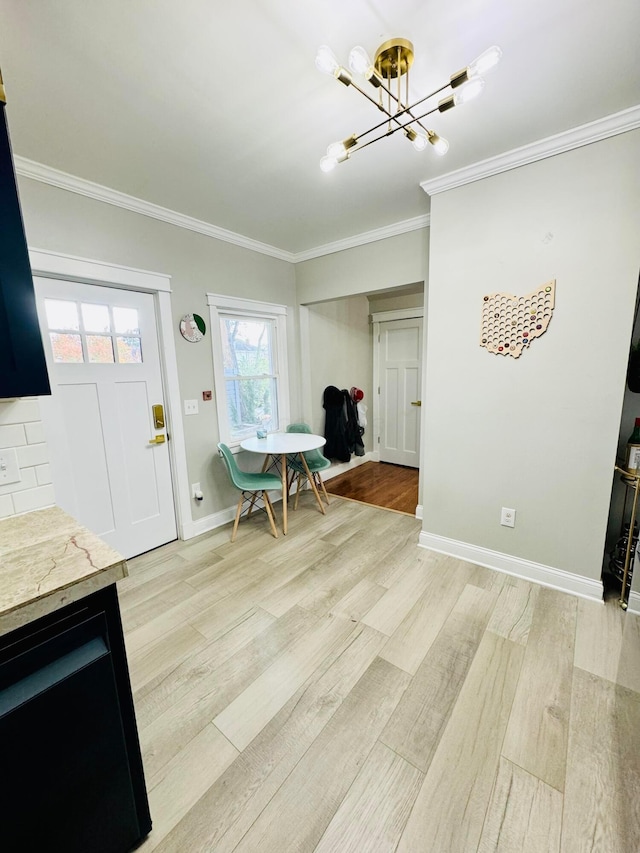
[(60, 221), (538, 433), (391, 262), (21, 429)]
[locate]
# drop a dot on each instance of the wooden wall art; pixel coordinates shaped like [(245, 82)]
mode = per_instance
[(510, 323)]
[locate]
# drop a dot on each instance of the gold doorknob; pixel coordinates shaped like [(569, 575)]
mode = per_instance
[(416, 403), (159, 439)]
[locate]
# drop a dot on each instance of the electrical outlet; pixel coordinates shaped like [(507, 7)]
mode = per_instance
[(191, 407), (9, 471), (508, 517)]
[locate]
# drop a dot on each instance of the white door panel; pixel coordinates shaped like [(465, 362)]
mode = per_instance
[(400, 364), (98, 420)]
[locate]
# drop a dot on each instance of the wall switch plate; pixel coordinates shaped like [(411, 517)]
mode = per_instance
[(9, 470), (508, 517), (191, 407)]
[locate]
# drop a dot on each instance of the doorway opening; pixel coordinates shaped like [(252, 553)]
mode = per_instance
[(341, 349)]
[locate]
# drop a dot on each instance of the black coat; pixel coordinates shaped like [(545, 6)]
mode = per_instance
[(341, 429)]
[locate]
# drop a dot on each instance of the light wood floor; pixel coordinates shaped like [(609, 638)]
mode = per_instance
[(379, 484), (341, 690)]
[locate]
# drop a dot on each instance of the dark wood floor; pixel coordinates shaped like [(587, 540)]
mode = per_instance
[(379, 484)]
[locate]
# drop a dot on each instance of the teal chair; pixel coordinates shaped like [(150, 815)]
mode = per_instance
[(252, 488), (316, 462)]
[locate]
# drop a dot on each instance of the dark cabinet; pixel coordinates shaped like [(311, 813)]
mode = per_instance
[(71, 773), (23, 369)]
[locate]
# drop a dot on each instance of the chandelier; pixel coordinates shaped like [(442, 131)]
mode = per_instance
[(392, 62)]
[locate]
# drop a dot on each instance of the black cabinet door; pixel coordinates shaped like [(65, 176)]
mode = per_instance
[(70, 770), (23, 369)]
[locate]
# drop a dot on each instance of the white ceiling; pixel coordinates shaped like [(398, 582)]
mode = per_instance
[(215, 109)]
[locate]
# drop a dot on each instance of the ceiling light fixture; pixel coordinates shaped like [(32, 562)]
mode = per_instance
[(392, 61)]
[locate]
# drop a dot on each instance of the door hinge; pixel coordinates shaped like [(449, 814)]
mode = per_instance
[(378, 389), (378, 439)]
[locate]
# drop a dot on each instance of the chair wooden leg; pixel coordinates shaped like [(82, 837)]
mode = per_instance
[(320, 483), (312, 483), (269, 509), (298, 489), (238, 511)]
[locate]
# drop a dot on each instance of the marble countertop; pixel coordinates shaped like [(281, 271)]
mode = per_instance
[(48, 560)]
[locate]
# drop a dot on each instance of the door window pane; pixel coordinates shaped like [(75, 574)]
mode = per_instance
[(95, 318), (67, 349), (247, 347), (126, 321), (100, 349), (61, 314), (129, 350)]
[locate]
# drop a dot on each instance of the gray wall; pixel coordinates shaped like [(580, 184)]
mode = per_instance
[(392, 262), (538, 434), (64, 222)]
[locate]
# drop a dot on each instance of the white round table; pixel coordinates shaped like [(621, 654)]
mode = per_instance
[(281, 444)]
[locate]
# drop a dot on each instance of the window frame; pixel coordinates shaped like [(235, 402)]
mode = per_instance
[(221, 306)]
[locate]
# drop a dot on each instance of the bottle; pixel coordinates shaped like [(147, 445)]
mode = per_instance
[(632, 463)]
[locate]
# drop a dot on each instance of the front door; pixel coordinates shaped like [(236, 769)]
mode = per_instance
[(400, 371), (108, 448)]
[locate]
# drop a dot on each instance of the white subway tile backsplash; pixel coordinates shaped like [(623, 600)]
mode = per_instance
[(33, 499), (28, 481), (35, 432), (43, 474), (32, 454), (12, 435), (19, 411), (22, 430), (6, 506)]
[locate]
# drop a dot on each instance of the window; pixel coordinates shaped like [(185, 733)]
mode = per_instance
[(86, 332), (250, 366)]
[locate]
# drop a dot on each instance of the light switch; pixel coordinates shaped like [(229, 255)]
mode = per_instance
[(9, 471), (191, 407)]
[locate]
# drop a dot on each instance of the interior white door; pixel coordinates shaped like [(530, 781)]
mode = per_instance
[(103, 357), (400, 372)]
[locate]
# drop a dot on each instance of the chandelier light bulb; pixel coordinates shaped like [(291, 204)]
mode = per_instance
[(420, 142), (326, 61), (440, 145), (485, 61), (335, 150), (359, 61), (328, 163), (471, 89)]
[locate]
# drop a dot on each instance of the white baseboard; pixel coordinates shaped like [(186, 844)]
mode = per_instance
[(342, 467), (207, 523), (634, 603), (217, 519), (516, 566), (419, 512)]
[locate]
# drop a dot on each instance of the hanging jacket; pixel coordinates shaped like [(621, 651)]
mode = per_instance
[(354, 430), (335, 425)]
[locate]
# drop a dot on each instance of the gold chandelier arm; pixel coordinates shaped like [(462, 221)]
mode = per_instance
[(389, 132), (397, 115)]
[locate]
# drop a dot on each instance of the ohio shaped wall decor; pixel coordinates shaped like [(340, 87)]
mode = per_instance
[(510, 323)]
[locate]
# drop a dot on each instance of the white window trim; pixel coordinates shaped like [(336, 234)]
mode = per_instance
[(220, 304)]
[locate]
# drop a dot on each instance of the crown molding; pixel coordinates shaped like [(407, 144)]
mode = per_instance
[(585, 134), (393, 230), (55, 178)]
